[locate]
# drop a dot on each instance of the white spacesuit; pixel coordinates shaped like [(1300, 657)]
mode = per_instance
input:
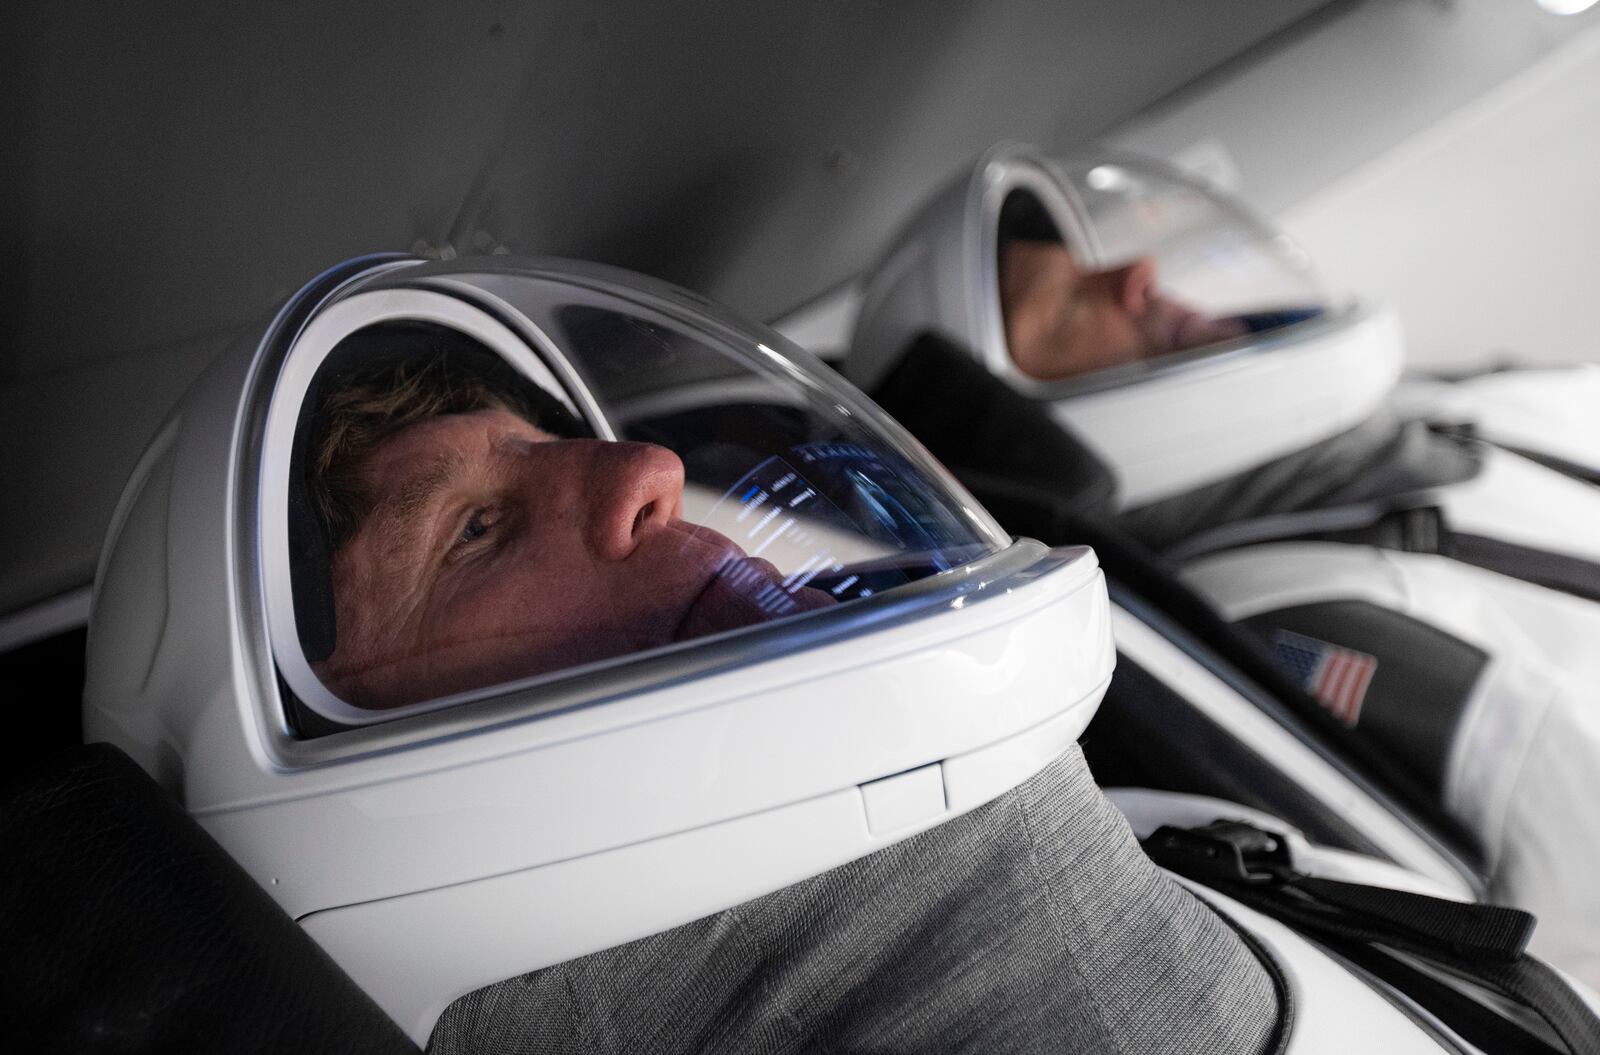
[(1545, 413), (1433, 592), (568, 709)]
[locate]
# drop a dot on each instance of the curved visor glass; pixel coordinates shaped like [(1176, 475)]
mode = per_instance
[(469, 522), (1209, 253)]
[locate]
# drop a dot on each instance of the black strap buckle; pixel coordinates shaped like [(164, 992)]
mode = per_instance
[(1423, 529), (1233, 851)]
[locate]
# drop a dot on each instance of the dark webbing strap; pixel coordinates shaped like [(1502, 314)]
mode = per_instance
[(1407, 523), (1486, 1028), (1393, 522), (1483, 943), (1466, 430), (1424, 924)]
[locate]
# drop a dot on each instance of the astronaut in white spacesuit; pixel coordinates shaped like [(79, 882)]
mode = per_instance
[(569, 703), (1435, 593)]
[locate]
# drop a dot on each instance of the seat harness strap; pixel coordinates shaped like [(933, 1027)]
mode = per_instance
[(1412, 522), (1409, 523), (1483, 944)]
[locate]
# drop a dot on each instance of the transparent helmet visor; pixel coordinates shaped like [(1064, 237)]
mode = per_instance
[(634, 480), (1208, 252), (1149, 265)]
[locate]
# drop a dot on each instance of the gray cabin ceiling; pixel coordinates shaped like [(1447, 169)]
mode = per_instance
[(175, 169)]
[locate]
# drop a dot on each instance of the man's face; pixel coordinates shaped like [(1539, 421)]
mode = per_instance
[(1062, 320), (495, 551)]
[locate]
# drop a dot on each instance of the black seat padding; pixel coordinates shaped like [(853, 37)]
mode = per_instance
[(128, 929), (978, 426)]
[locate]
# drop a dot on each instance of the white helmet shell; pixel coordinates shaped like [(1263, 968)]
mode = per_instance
[(1166, 424), (447, 843)]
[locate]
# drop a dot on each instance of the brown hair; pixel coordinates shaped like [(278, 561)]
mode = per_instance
[(372, 402)]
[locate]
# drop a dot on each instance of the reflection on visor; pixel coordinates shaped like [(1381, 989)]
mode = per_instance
[(785, 516), (1210, 251), (781, 512)]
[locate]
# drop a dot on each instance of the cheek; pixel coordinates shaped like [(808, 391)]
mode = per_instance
[(1105, 338), (372, 605), (1036, 311), (534, 591)]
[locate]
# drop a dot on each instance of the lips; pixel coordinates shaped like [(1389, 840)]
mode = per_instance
[(1172, 327), (742, 591)]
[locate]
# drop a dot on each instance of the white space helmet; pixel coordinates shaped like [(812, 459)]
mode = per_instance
[(1274, 369), (483, 697)]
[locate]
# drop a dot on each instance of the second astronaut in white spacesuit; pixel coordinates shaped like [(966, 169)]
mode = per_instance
[(1436, 593)]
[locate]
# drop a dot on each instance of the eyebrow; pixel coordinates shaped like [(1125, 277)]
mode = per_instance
[(418, 488), (417, 492)]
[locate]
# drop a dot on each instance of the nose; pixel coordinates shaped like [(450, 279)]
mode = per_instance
[(631, 488), (1131, 285)]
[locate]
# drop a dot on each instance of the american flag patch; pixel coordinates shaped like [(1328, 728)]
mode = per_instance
[(1337, 677)]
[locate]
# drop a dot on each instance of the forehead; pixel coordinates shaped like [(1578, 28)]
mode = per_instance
[(419, 459)]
